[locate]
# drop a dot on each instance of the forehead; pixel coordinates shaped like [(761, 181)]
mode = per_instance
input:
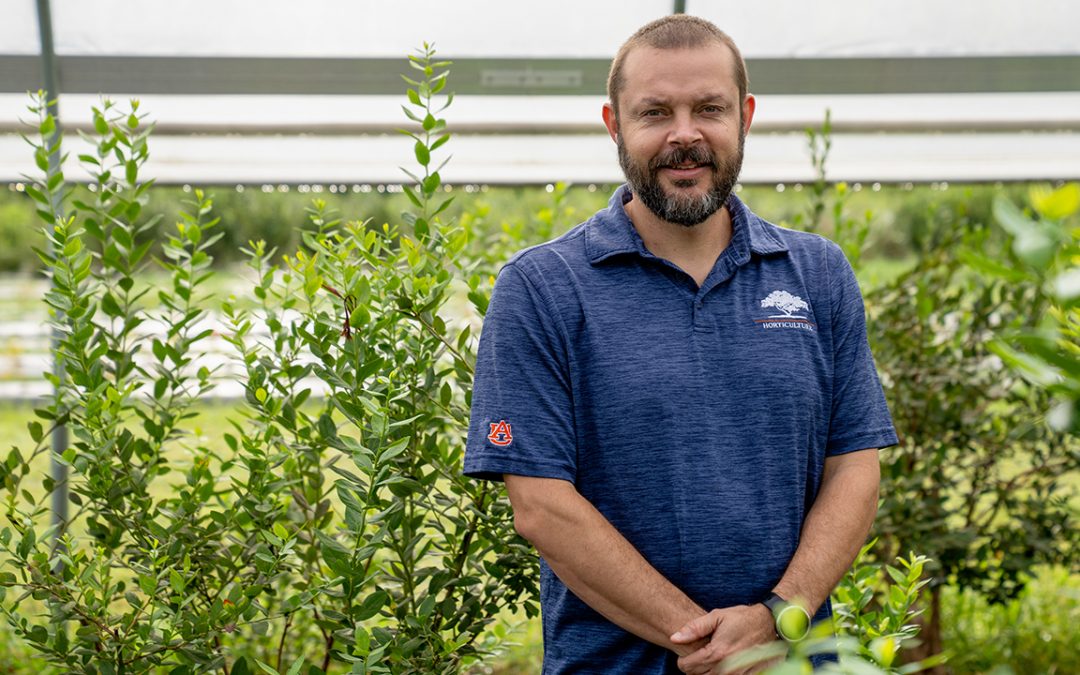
[(648, 72)]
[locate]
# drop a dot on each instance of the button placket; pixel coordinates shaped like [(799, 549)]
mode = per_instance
[(700, 316)]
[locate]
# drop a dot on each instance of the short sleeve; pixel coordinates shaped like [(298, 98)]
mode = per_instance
[(521, 420), (860, 417)]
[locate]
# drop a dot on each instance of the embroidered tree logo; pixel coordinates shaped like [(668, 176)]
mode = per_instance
[(786, 303)]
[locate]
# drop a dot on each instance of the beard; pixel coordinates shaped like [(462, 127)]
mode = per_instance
[(686, 210)]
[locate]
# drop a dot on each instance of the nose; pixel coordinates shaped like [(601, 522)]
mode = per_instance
[(684, 129)]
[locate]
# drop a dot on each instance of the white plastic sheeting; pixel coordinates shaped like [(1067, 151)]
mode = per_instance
[(343, 139), (358, 28)]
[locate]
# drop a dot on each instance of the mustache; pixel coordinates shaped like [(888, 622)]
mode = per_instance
[(696, 154)]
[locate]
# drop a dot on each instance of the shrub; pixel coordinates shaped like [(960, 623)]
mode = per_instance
[(18, 233), (339, 529)]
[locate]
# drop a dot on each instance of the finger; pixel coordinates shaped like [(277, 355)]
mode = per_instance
[(702, 661), (701, 669), (698, 628)]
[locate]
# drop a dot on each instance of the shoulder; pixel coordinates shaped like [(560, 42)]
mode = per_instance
[(818, 261), (802, 245), (808, 252), (563, 254)]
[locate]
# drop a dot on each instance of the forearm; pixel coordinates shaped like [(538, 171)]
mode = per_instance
[(835, 529), (598, 564)]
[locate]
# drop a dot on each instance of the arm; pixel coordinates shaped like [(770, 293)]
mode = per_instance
[(832, 535), (835, 529), (597, 563)]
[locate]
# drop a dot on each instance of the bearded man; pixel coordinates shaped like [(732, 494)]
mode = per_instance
[(685, 459)]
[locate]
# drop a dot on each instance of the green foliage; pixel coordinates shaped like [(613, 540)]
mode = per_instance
[(337, 532), (877, 604), (976, 480), (874, 608), (1034, 633), (338, 529), (18, 235), (976, 483), (848, 232), (506, 216), (1045, 247)]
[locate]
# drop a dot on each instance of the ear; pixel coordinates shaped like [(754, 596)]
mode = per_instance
[(748, 107), (611, 121)]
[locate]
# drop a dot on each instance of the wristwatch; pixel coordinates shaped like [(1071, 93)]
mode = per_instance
[(791, 621)]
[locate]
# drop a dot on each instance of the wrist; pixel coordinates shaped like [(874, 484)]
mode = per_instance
[(791, 621)]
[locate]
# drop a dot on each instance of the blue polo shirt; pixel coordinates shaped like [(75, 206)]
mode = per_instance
[(695, 419)]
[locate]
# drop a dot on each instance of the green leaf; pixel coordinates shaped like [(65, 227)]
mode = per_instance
[(1010, 217), (36, 431), (266, 668), (411, 194), (371, 606), (38, 196), (110, 306), (122, 237), (176, 582), (294, 669), (423, 156), (100, 125), (280, 531), (431, 183), (414, 97), (439, 142), (336, 556), (421, 228), (26, 544), (1056, 204), (991, 267)]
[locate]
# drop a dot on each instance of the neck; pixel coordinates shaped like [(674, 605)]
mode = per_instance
[(694, 249)]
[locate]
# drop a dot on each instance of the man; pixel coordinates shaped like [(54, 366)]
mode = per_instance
[(678, 394)]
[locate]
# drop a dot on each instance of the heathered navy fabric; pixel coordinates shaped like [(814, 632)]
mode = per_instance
[(696, 420)]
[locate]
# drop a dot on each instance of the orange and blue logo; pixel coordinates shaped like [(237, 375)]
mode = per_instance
[(500, 433)]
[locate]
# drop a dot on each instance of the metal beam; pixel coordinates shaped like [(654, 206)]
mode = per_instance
[(59, 439), (520, 76)]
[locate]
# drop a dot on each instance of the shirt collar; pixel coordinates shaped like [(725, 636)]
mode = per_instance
[(610, 231)]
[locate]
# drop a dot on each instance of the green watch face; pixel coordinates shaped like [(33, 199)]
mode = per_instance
[(793, 623)]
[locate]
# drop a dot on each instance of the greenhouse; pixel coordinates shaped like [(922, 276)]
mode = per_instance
[(357, 337)]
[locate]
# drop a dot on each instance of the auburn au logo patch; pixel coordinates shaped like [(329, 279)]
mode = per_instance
[(500, 433)]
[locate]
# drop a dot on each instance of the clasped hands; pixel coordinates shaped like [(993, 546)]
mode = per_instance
[(722, 633)]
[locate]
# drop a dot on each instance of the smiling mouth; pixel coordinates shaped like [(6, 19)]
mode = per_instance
[(685, 168)]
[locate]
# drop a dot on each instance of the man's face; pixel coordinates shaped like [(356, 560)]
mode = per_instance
[(680, 130)]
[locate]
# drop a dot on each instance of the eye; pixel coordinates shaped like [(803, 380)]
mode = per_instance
[(652, 112), (712, 109)]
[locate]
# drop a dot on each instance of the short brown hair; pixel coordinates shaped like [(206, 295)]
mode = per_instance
[(676, 31)]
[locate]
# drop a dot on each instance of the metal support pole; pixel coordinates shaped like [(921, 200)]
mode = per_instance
[(52, 95), (680, 7)]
